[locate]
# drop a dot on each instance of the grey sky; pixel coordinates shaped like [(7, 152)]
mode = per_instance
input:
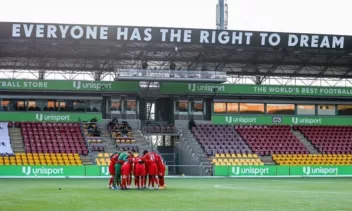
[(307, 16)]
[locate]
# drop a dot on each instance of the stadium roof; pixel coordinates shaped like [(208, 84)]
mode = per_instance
[(107, 49)]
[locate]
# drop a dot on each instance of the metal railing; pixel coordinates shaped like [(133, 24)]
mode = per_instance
[(189, 143)]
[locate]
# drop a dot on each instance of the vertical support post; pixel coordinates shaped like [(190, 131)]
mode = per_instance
[(222, 14)]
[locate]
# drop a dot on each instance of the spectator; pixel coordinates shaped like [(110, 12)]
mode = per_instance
[(114, 120), (191, 124), (111, 125), (94, 120)]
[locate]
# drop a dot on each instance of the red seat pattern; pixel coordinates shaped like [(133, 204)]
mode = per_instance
[(220, 139), (268, 140), (329, 139), (53, 138)]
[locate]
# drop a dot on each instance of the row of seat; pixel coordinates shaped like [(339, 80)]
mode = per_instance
[(313, 159), (41, 159), (236, 156)]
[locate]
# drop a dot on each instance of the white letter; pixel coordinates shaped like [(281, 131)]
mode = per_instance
[(304, 41), (136, 35), (91, 32), (51, 33), (213, 37), (74, 35), (16, 30), (187, 36), (314, 42), (271, 39), (204, 37), (236, 37), (263, 35), (148, 34), (223, 37), (325, 43), (28, 29), (338, 42), (292, 40), (163, 34), (104, 33), (63, 31), (176, 35), (122, 33), (39, 30), (248, 37)]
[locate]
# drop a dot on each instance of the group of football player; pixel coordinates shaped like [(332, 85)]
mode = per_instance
[(149, 167)]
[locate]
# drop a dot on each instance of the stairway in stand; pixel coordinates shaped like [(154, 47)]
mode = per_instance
[(141, 141), (16, 140), (305, 142)]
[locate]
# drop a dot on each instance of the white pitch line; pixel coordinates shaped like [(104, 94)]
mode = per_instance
[(278, 191)]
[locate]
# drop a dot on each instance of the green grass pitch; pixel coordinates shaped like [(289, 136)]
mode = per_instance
[(181, 194)]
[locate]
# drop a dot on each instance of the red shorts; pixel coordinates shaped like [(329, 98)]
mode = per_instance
[(112, 170), (139, 170), (152, 169), (126, 169), (161, 170)]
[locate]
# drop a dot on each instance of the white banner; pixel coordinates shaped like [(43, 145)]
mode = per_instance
[(5, 144)]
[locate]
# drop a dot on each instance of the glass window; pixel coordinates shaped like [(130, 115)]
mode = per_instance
[(182, 106), (197, 106), (251, 108), (79, 105), (232, 107), (131, 105), (115, 106), (219, 107), (344, 109), (305, 109), (94, 106), (280, 109), (62, 106), (326, 110), (13, 105), (36, 105), (51, 105)]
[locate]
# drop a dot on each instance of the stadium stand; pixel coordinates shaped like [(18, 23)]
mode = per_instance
[(328, 139), (220, 139), (268, 140), (53, 138), (41, 159), (313, 159)]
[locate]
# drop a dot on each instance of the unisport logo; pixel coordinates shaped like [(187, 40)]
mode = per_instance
[(319, 171), (240, 120), (192, 87), (77, 84), (249, 171), (104, 171), (228, 119), (39, 117), (26, 170), (306, 170), (42, 171)]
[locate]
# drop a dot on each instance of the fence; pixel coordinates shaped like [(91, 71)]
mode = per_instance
[(188, 170), (282, 170)]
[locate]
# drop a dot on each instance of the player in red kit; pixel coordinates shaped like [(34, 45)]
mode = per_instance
[(113, 159), (161, 171), (151, 166), (125, 172), (139, 173)]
